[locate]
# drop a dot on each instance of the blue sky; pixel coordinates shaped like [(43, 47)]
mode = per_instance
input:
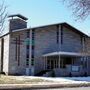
[(43, 12)]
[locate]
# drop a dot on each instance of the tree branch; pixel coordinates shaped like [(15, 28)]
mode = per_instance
[(80, 8), (3, 15)]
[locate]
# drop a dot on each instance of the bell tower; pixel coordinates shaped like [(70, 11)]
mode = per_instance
[(17, 21)]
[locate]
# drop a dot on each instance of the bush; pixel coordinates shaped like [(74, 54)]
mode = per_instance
[(53, 73), (3, 73)]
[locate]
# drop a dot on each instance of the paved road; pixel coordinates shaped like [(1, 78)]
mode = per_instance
[(80, 88)]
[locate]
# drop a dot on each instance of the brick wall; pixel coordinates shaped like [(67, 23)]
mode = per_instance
[(17, 66), (6, 54), (15, 24), (46, 42)]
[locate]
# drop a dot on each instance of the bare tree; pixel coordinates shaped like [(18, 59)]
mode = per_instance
[(80, 8), (3, 15)]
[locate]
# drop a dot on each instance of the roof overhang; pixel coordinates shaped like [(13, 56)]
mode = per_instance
[(66, 54), (18, 15)]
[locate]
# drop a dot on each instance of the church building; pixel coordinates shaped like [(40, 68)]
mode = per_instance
[(56, 49)]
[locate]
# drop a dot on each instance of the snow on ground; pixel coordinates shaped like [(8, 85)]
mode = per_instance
[(87, 79), (57, 79)]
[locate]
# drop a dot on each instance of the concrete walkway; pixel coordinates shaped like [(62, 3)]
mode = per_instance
[(42, 86), (56, 83)]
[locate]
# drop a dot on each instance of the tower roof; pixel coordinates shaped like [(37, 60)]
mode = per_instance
[(18, 15)]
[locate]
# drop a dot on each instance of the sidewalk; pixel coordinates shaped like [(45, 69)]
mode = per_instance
[(56, 83), (42, 86)]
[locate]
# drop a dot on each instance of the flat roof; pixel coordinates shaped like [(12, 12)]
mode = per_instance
[(65, 54), (18, 15)]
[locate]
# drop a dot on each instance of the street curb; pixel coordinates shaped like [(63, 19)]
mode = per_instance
[(41, 86)]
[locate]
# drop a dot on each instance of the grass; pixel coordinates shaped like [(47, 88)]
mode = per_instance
[(12, 80)]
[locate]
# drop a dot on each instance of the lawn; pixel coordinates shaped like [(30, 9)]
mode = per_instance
[(16, 80)]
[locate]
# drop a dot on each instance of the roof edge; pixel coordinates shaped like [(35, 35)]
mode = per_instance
[(63, 23)]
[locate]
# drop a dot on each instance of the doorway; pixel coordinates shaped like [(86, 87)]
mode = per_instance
[(52, 62)]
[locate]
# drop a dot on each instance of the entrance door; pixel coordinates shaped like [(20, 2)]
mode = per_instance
[(51, 64), (65, 61)]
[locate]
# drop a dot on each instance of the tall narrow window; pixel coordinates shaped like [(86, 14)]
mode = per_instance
[(33, 46), (16, 48), (27, 62), (57, 32), (61, 34), (84, 43), (84, 40), (28, 34), (19, 50), (27, 48), (81, 40)]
